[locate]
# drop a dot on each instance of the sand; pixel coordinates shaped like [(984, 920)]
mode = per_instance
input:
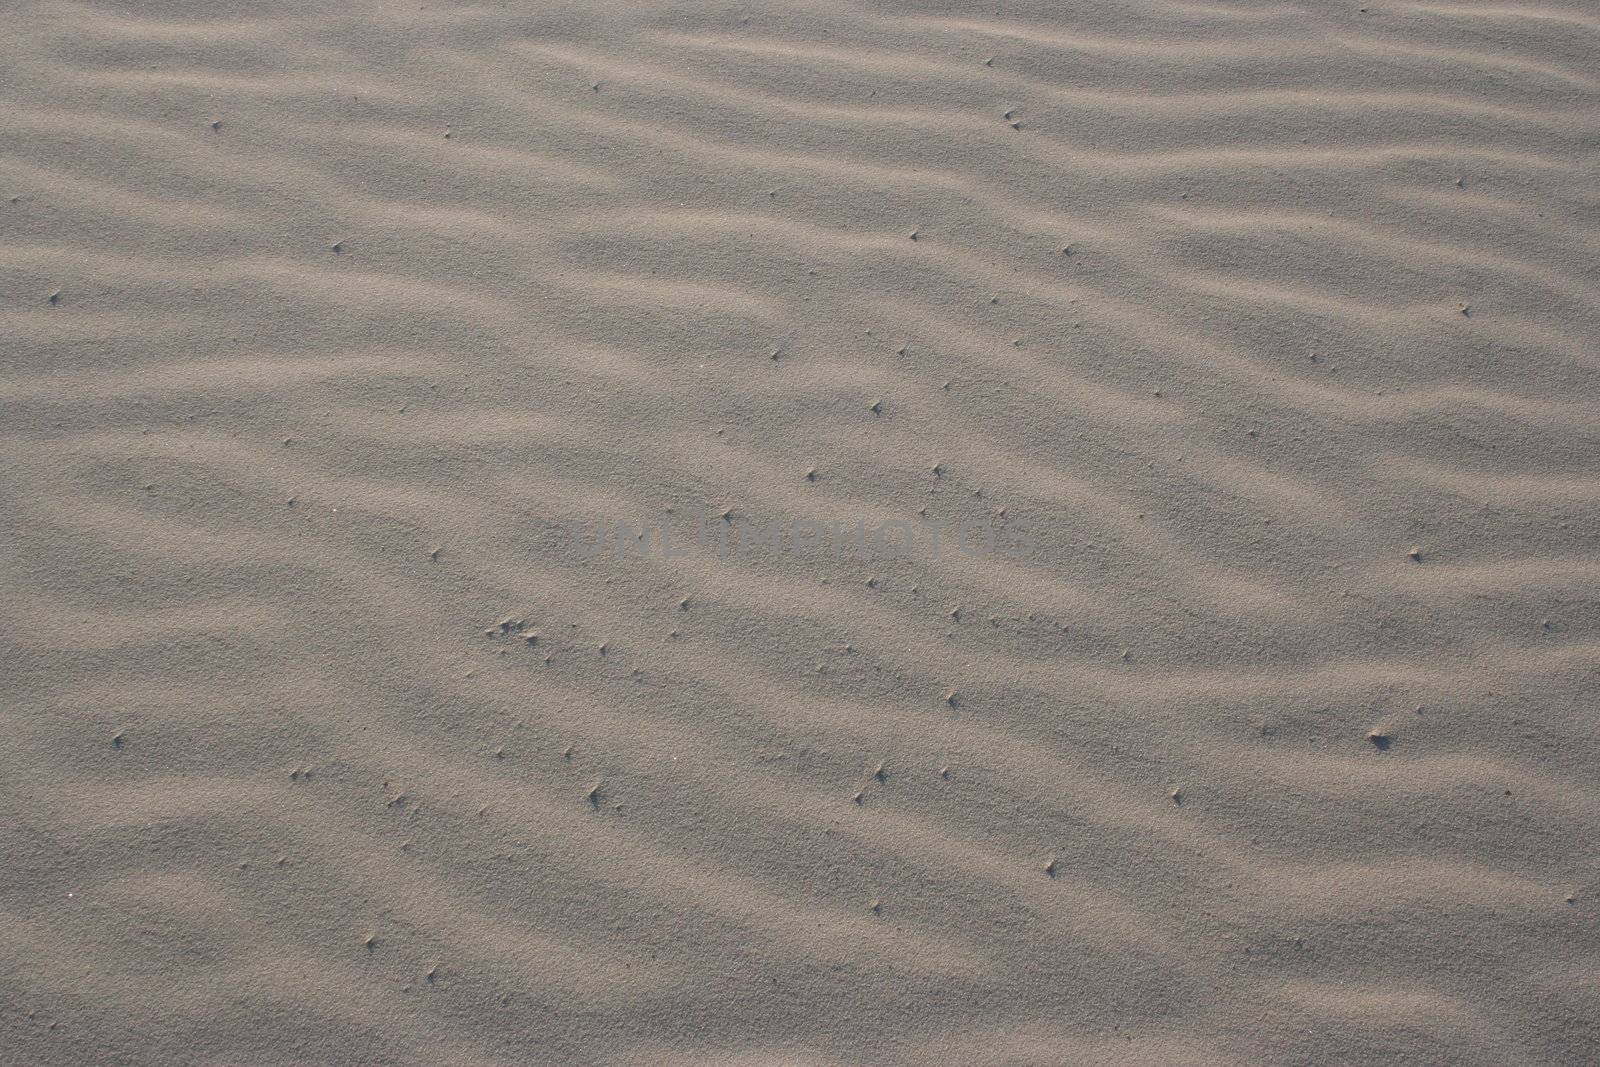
[(332, 331)]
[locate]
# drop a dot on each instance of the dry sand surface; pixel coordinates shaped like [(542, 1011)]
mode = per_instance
[(329, 329)]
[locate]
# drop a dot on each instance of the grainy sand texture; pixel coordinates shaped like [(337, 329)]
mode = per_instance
[(1263, 337)]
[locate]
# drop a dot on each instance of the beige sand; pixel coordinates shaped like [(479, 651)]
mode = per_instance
[(1278, 321)]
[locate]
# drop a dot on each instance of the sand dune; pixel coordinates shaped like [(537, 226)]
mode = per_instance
[(330, 331)]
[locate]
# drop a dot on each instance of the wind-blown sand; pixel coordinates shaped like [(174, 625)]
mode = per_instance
[(1276, 322)]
